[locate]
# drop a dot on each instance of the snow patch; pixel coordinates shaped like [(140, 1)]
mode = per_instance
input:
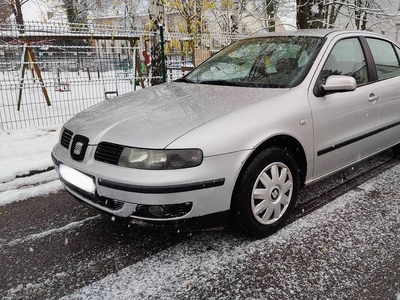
[(24, 151), (29, 181), (41, 235), (8, 197)]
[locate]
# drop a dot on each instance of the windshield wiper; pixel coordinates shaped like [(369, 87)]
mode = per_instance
[(220, 82), (184, 79), (243, 84)]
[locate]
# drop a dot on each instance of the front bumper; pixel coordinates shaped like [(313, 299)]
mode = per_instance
[(181, 225), (122, 192)]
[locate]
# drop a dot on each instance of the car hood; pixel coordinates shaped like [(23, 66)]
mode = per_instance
[(156, 116)]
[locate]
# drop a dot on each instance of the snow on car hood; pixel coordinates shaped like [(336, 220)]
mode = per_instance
[(156, 116)]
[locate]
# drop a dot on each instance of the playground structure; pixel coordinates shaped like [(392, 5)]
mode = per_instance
[(49, 72)]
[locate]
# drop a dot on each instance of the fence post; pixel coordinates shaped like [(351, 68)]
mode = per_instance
[(162, 41)]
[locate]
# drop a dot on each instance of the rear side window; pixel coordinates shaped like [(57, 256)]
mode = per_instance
[(346, 58), (386, 61)]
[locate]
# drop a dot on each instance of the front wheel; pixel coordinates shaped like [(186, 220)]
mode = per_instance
[(265, 193)]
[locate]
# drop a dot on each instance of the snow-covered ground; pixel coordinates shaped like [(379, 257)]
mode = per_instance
[(331, 245), (22, 152), (353, 230)]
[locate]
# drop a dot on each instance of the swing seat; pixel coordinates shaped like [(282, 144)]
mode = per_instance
[(106, 94), (63, 87)]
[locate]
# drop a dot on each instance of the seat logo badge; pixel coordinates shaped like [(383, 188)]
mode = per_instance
[(78, 148)]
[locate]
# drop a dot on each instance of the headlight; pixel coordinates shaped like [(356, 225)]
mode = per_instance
[(160, 159)]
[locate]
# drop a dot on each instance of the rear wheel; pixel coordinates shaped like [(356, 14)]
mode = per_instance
[(265, 193)]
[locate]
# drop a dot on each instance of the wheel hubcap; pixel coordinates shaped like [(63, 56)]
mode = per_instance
[(272, 193)]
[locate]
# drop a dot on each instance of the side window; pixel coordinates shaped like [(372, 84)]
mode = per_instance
[(386, 62), (346, 58), (397, 51)]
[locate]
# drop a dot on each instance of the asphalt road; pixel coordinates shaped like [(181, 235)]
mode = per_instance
[(343, 242)]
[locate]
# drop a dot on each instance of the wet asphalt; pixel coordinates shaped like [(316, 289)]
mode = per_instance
[(343, 242)]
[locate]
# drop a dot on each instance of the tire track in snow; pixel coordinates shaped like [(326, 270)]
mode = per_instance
[(42, 235), (330, 195)]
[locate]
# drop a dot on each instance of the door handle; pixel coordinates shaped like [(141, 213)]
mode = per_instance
[(372, 97)]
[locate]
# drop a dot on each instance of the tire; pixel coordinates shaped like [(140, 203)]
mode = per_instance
[(396, 150), (265, 193)]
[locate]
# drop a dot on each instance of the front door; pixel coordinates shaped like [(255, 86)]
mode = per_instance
[(343, 122)]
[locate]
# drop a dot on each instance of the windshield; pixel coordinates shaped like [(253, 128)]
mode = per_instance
[(261, 62)]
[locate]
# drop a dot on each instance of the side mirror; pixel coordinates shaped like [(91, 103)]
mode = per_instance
[(339, 83)]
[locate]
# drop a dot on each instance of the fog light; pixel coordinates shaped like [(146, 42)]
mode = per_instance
[(157, 211), (163, 211)]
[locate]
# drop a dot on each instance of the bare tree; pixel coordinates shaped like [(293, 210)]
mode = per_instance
[(271, 13), (131, 10), (191, 12), (340, 13), (5, 10), (235, 17), (227, 14), (263, 14), (77, 10), (156, 15)]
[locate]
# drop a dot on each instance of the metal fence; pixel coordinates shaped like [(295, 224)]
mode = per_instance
[(50, 72)]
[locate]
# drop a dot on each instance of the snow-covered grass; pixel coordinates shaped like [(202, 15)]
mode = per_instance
[(84, 91), (23, 152)]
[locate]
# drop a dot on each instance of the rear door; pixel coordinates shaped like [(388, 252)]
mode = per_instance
[(386, 61), (343, 122)]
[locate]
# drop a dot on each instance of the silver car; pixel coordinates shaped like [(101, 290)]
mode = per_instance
[(235, 139)]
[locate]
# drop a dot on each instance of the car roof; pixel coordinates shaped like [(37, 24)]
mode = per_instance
[(314, 32)]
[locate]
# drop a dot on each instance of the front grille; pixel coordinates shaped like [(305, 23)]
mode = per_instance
[(108, 153), (66, 138)]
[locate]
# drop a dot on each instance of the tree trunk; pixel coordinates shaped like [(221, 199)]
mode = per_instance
[(235, 16), (364, 21), (318, 17), (303, 11), (333, 15), (199, 19), (271, 15), (156, 10)]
